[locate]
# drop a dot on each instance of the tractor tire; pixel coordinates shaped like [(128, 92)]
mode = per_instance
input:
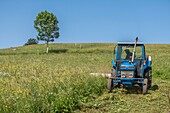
[(145, 86), (150, 78), (110, 85), (148, 75)]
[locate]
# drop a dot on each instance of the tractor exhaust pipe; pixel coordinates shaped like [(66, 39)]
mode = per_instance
[(134, 50)]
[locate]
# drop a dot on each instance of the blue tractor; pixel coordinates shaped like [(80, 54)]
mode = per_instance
[(131, 66)]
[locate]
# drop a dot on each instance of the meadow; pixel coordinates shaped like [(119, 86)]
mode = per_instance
[(33, 81)]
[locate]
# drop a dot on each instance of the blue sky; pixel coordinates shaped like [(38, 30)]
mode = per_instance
[(87, 20)]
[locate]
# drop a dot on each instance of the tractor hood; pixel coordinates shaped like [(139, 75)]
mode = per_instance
[(127, 66)]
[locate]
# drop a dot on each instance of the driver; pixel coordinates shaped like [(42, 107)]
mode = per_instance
[(128, 54)]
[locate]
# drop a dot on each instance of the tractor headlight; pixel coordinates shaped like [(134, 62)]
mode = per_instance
[(127, 74), (130, 75), (123, 75)]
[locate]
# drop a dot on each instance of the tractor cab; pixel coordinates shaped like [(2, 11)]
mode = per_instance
[(131, 66), (123, 59)]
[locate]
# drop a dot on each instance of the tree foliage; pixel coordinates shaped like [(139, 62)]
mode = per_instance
[(46, 25), (31, 41)]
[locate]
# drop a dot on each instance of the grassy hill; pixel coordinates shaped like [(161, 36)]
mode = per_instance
[(33, 81)]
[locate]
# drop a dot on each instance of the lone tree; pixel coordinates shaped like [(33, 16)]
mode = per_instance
[(31, 41), (46, 25)]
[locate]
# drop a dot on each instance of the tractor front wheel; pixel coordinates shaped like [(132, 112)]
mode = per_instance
[(110, 85), (145, 86)]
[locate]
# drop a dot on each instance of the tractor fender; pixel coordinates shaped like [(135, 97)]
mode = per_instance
[(149, 61)]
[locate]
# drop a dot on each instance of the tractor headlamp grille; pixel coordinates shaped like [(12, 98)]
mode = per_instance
[(126, 67), (127, 74)]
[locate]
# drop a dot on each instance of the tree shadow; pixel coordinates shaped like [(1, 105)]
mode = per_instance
[(32, 52), (58, 51), (13, 53)]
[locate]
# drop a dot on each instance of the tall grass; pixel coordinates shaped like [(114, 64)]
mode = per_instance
[(46, 83)]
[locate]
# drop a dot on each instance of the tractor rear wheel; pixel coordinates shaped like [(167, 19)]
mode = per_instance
[(148, 75), (145, 86), (150, 78), (110, 85)]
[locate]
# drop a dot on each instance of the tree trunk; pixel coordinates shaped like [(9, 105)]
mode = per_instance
[(47, 48)]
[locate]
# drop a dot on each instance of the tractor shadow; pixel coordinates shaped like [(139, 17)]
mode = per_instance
[(58, 51), (137, 89), (154, 88)]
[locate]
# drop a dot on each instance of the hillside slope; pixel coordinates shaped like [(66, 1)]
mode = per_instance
[(33, 81)]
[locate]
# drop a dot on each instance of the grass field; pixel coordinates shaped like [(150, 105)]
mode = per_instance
[(33, 81)]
